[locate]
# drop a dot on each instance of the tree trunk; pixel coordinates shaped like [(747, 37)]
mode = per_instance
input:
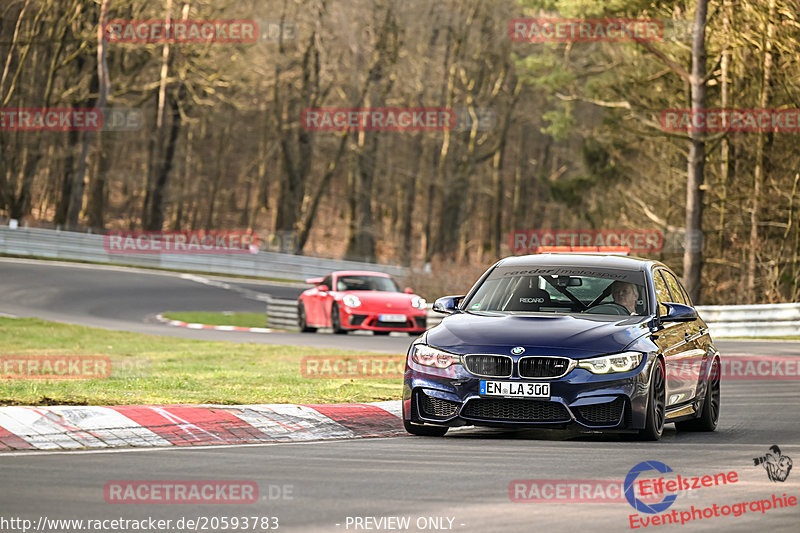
[(97, 189), (157, 137), (693, 253), (409, 194), (178, 218), (157, 199), (758, 170), (73, 140), (95, 210), (725, 148)]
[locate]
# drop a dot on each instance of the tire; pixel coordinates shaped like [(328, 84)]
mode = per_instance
[(336, 322), (301, 320), (381, 332), (424, 431), (656, 404), (709, 415)]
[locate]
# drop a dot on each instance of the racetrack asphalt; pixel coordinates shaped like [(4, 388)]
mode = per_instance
[(464, 476)]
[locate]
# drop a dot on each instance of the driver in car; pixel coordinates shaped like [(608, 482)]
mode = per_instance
[(625, 294)]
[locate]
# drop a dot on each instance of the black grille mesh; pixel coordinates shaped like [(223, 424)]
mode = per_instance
[(357, 320), (489, 365), (542, 367), (603, 413), (438, 408), (522, 410)]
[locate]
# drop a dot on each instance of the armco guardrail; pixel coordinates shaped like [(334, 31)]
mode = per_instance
[(89, 247), (282, 314), (724, 321), (761, 320)]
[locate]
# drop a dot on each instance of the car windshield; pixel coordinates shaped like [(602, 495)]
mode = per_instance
[(365, 283), (556, 289)]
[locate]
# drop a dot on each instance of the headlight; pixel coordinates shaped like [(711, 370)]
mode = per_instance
[(429, 356), (609, 364), (351, 300), (418, 303)]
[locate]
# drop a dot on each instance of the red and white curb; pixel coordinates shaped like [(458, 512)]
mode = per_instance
[(193, 325), (77, 427)]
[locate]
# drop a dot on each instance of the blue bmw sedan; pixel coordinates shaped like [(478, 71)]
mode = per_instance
[(568, 341)]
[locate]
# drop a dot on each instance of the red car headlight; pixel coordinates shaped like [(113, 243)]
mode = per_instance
[(351, 300)]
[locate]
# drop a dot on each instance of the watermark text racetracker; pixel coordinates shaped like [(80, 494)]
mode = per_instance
[(352, 367), (650, 490), (378, 119), (543, 30), (640, 241), (180, 242), (733, 120), (198, 31), (194, 492), (566, 30), (741, 368), (71, 119), (54, 366), (567, 491)]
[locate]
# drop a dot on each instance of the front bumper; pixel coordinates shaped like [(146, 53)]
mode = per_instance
[(578, 400), (356, 319)]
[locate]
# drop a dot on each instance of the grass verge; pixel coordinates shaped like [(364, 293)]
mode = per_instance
[(159, 370), (228, 318)]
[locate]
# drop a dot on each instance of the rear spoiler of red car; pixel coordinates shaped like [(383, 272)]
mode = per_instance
[(314, 281)]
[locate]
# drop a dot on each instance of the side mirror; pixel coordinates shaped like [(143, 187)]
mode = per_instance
[(323, 288), (408, 290), (679, 313), (447, 304)]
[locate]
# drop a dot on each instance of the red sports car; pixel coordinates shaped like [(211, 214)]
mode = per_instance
[(349, 300)]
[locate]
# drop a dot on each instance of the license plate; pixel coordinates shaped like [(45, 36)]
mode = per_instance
[(518, 389), (392, 318)]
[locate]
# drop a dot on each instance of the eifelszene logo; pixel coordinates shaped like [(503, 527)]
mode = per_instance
[(630, 494), (776, 464)]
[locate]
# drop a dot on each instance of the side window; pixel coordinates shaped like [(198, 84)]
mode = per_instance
[(662, 294), (674, 287)]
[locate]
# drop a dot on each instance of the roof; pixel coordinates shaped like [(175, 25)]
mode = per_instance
[(578, 260), (359, 273)]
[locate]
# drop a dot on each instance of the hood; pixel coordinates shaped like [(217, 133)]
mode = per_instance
[(538, 334), (399, 300)]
